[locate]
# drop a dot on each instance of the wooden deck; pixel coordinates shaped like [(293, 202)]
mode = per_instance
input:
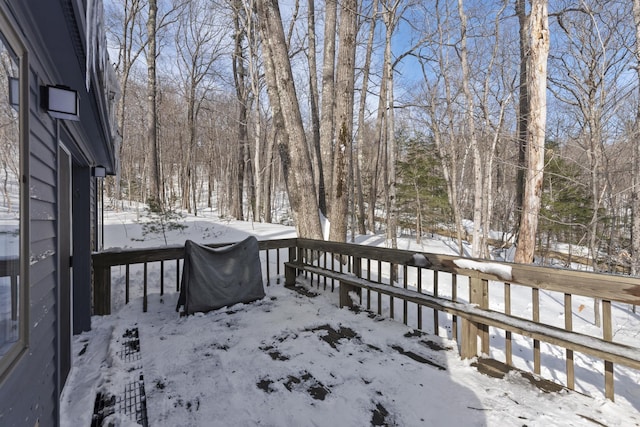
[(438, 293), (295, 359)]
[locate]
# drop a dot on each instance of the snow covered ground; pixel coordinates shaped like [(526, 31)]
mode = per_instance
[(290, 360)]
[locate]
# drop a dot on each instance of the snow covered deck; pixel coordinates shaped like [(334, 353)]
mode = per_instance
[(295, 360)]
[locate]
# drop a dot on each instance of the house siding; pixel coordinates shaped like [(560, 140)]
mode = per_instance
[(51, 34), (28, 395)]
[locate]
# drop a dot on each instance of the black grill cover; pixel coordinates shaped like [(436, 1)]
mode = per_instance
[(215, 278)]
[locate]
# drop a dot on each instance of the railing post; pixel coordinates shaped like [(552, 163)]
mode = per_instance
[(357, 266), (101, 290), (290, 273), (471, 330)]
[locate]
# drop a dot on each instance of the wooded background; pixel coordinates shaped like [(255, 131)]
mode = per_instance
[(388, 115)]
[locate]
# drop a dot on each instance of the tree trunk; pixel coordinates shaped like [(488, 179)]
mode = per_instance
[(126, 58), (446, 151), (328, 94), (345, 71), (313, 103), (523, 107), (361, 122), (300, 180), (241, 97), (390, 20), (478, 194), (635, 230), (152, 112), (536, 84), (380, 149)]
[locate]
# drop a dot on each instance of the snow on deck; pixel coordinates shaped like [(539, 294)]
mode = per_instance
[(291, 360)]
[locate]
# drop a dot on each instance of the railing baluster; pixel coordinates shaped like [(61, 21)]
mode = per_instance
[(316, 261), (379, 281), (405, 305), (161, 278), (368, 278), (607, 335), (454, 297), (126, 282), (486, 344), (568, 325), (266, 252), (535, 296), (391, 300), (144, 292), (324, 262), (333, 268), (419, 286), (278, 266), (436, 314), (507, 335)]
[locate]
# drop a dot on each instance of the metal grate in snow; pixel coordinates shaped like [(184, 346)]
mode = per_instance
[(130, 346), (133, 401)]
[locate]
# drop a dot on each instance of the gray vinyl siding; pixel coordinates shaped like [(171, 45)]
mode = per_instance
[(29, 394)]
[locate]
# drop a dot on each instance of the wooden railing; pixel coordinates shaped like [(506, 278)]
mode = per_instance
[(450, 297), (104, 261)]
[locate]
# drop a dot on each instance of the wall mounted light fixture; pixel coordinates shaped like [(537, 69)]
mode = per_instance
[(60, 102), (99, 172)]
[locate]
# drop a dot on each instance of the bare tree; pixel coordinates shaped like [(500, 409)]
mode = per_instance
[(124, 28), (472, 136), (345, 71), (360, 136), (242, 95), (390, 17), (536, 127), (152, 112), (314, 105), (523, 104), (295, 155), (440, 116), (635, 230), (199, 44), (328, 93)]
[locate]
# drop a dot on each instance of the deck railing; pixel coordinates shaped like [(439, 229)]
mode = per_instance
[(103, 263), (480, 302)]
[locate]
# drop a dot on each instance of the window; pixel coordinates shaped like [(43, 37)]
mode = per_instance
[(13, 201)]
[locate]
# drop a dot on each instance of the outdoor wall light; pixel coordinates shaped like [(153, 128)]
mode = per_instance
[(99, 172), (60, 102)]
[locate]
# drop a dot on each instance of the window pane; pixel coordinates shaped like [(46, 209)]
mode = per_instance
[(9, 199)]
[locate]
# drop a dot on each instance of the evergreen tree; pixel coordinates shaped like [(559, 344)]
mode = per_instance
[(422, 190), (566, 202)]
